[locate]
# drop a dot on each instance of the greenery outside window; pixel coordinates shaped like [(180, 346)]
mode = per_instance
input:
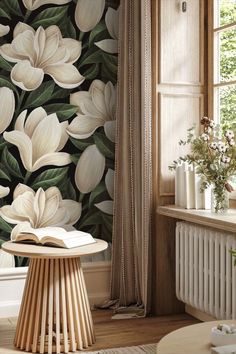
[(222, 62)]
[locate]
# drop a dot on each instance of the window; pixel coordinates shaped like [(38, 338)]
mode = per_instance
[(222, 61)]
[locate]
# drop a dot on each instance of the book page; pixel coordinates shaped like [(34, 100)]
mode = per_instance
[(27, 237), (76, 238), (79, 241), (56, 236), (55, 232), (74, 234)]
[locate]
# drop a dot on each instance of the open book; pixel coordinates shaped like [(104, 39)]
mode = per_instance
[(54, 236)]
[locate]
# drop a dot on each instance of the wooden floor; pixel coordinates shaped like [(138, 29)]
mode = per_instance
[(111, 333)]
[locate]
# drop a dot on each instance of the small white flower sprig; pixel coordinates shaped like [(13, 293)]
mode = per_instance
[(214, 155), (225, 329)]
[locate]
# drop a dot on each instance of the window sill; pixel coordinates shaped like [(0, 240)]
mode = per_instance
[(226, 222)]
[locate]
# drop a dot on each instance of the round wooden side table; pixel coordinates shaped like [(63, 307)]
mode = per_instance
[(194, 339), (55, 314)]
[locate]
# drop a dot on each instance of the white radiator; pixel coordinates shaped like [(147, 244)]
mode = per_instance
[(205, 271)]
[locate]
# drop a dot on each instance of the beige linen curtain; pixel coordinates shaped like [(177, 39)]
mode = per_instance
[(132, 203)]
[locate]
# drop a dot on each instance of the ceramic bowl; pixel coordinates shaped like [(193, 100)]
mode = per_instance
[(219, 338)]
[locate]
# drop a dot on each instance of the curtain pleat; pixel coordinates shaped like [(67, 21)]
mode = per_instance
[(131, 260)]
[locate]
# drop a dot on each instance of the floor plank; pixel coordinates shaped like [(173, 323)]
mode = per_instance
[(111, 333)]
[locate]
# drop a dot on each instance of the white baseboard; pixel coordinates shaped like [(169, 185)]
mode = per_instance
[(12, 280)]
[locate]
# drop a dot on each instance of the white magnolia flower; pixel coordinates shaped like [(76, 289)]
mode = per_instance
[(107, 205), (7, 107), (4, 30), (112, 23), (96, 108), (4, 191), (39, 139), (89, 169), (42, 52), (88, 13), (34, 4), (40, 209)]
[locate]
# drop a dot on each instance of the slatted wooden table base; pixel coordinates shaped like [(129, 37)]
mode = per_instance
[(55, 315)]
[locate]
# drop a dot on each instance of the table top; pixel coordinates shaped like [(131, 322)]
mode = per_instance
[(36, 251), (194, 339)]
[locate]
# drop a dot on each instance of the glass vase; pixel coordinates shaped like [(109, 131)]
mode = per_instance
[(219, 199)]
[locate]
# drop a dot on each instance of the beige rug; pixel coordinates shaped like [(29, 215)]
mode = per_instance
[(141, 349)]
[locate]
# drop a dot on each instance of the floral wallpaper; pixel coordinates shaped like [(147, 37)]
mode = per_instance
[(58, 73)]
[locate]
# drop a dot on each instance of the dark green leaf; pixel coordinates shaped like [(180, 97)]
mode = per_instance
[(96, 193), (11, 163), (106, 234), (1, 242), (41, 95), (112, 3), (111, 62), (97, 30), (67, 190), (95, 231), (91, 219), (4, 173), (5, 235), (50, 178), (4, 81), (52, 15), (12, 6), (104, 145), (71, 29), (110, 164), (21, 261), (92, 72), (107, 75), (92, 56), (60, 93), (4, 14), (71, 193), (5, 226), (111, 58), (75, 158), (4, 64), (82, 144), (108, 221), (3, 142), (63, 110), (67, 28)]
